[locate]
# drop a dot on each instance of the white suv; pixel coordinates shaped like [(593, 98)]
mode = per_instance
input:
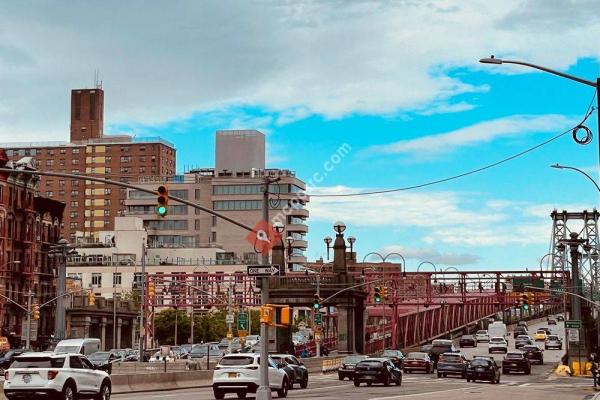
[(482, 336), (60, 376), (497, 343), (239, 374)]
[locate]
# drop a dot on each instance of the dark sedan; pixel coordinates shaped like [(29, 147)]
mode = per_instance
[(395, 356), (104, 360), (467, 341), (533, 353), (520, 331), (416, 361), (516, 362), (482, 369), (299, 373), (523, 340), (346, 370), (451, 364), (377, 370), (7, 358)]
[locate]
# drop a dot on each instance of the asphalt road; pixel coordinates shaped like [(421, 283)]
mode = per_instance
[(541, 384)]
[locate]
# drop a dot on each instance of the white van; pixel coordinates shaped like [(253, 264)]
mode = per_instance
[(497, 329), (85, 346)]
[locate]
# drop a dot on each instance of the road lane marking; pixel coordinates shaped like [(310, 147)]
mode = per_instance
[(401, 396)]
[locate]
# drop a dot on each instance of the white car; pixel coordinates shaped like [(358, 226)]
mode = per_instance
[(252, 340), (497, 343), (239, 374), (62, 376), (482, 336)]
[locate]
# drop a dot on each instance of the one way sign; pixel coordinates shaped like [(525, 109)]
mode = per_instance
[(263, 270)]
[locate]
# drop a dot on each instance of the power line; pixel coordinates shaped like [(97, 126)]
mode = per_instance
[(589, 112)]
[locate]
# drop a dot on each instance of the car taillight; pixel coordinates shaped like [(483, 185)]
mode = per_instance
[(52, 375), (6, 375)]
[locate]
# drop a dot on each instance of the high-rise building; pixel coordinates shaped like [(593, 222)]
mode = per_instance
[(29, 225), (90, 206), (235, 193)]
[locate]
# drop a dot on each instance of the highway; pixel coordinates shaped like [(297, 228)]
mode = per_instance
[(541, 384)]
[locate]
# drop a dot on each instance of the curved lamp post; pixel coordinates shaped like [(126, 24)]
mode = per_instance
[(558, 166)]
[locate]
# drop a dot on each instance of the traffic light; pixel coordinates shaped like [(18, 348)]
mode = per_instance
[(151, 289), (377, 295), (35, 312), (317, 302), (91, 299), (525, 301), (267, 314), (384, 292), (285, 316), (162, 201)]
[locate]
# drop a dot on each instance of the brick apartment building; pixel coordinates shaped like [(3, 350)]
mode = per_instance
[(91, 207), (29, 225)]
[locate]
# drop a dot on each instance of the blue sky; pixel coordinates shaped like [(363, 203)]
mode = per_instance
[(399, 82)]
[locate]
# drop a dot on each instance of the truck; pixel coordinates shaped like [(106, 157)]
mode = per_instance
[(497, 329)]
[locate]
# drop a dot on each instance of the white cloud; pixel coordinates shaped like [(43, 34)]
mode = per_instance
[(446, 108), (431, 255), (482, 132), (162, 63)]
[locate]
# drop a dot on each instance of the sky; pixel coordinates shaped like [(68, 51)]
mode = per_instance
[(363, 95)]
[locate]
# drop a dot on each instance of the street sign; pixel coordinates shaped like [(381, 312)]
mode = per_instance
[(263, 270), (242, 322), (229, 319), (318, 337), (573, 335), (574, 324), (318, 319)]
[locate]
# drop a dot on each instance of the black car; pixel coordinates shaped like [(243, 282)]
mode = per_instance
[(348, 366), (394, 356), (7, 358), (104, 360), (483, 369), (299, 373), (467, 340), (520, 331), (533, 353), (522, 340), (377, 370), (516, 361), (451, 364)]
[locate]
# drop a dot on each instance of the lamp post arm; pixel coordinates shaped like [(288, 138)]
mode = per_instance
[(351, 287), (578, 170), (14, 302), (564, 292), (552, 71), (63, 295)]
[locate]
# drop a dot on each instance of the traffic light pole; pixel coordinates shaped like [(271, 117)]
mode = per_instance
[(28, 337), (318, 310)]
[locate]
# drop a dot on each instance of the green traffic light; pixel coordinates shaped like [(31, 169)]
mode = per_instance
[(525, 307), (316, 306), (377, 299), (161, 211)]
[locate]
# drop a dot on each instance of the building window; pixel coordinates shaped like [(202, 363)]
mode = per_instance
[(197, 194), (142, 170), (75, 171), (73, 225), (49, 193), (49, 182), (167, 224), (125, 148), (63, 151), (50, 152), (117, 279), (143, 159), (107, 202), (106, 223), (61, 162), (74, 192), (73, 214), (49, 163), (226, 205), (74, 204), (75, 151), (75, 182), (97, 279), (214, 220), (107, 213), (107, 191), (125, 159), (61, 183), (125, 170), (213, 237), (197, 224), (61, 192), (74, 161)]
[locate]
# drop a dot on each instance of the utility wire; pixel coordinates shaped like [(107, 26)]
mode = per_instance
[(589, 112)]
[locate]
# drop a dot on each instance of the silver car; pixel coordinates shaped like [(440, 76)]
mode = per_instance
[(553, 342)]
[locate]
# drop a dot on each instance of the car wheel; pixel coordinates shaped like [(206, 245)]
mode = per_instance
[(439, 375), (241, 395), (283, 392), (528, 372), (219, 395), (304, 382), (409, 371), (399, 380), (463, 375), (505, 371), (356, 383), (386, 382), (498, 380), (490, 351), (369, 383), (542, 362), (340, 377), (104, 393), (68, 392)]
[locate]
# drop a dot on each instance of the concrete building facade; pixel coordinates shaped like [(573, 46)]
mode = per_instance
[(91, 207)]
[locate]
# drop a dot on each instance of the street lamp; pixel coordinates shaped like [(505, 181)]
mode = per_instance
[(596, 85), (339, 227), (328, 241), (558, 166)]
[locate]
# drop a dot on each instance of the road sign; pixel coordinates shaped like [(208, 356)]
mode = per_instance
[(229, 319), (574, 324), (229, 336), (573, 335), (318, 319), (263, 270), (318, 337), (242, 322)]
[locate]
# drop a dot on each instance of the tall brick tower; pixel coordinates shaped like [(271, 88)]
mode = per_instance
[(87, 114)]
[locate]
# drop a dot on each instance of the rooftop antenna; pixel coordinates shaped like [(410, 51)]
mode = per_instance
[(97, 81)]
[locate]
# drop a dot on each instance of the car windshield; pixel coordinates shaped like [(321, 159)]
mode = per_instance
[(67, 349), (552, 337), (369, 363), (450, 358), (353, 359), (528, 348), (99, 356), (480, 362), (390, 353), (514, 355), (522, 337), (38, 362), (236, 361), (482, 332), (496, 340), (438, 349), (417, 356), (468, 337)]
